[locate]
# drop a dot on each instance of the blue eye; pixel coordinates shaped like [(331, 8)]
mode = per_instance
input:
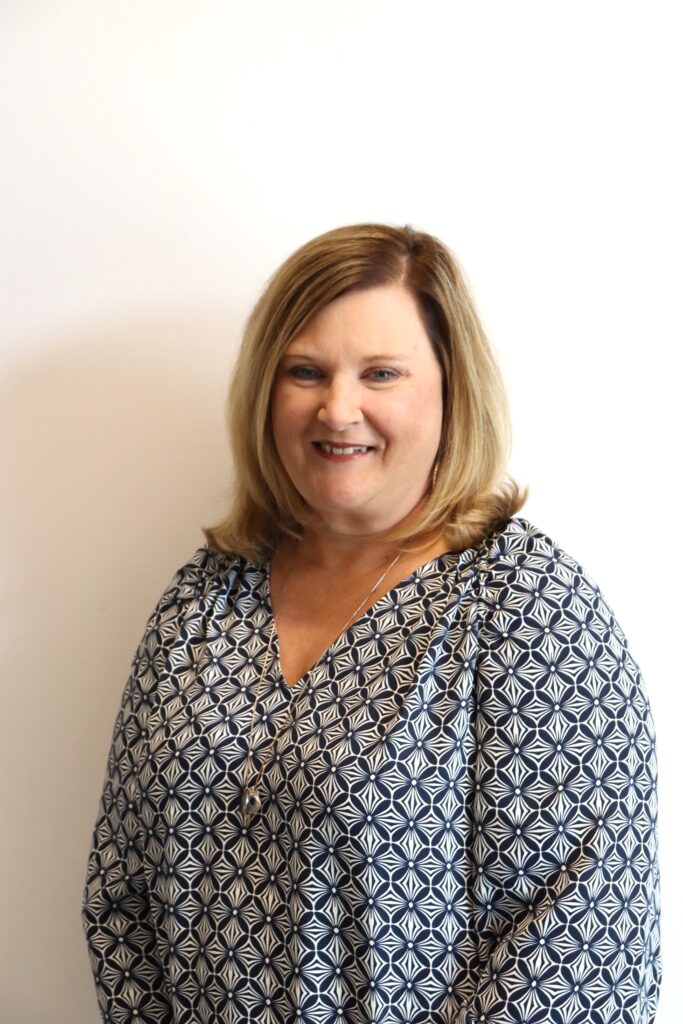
[(307, 374), (304, 373), (383, 375)]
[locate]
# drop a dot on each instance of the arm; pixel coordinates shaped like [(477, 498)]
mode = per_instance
[(120, 933), (566, 883)]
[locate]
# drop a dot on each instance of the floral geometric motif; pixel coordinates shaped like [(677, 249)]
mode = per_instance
[(458, 817)]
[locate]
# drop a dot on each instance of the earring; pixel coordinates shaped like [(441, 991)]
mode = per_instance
[(435, 472)]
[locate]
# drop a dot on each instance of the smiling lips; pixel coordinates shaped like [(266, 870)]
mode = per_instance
[(339, 453)]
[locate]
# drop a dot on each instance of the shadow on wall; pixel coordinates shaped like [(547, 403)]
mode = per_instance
[(114, 456)]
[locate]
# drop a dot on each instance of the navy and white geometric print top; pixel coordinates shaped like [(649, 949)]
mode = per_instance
[(458, 819)]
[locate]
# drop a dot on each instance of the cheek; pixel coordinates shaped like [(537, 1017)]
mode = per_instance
[(418, 419), (288, 417), (433, 409), (279, 421)]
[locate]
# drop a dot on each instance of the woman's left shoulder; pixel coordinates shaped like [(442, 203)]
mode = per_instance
[(529, 584), (520, 550), (524, 571)]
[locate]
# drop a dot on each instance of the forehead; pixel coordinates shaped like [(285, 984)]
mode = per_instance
[(385, 319)]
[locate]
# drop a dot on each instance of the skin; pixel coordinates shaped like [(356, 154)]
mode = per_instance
[(362, 373)]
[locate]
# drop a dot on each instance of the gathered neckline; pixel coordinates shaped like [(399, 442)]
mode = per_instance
[(446, 557)]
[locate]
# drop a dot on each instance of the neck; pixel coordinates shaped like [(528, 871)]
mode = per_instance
[(332, 552), (325, 550)]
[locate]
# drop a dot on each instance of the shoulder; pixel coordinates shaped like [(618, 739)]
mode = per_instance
[(205, 568), (207, 574), (551, 651), (521, 554), (513, 558), (538, 597), (527, 579), (520, 545)]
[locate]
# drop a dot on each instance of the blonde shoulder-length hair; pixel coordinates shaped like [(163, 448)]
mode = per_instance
[(471, 494)]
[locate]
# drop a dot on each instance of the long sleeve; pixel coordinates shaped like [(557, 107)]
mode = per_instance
[(565, 874), (119, 930)]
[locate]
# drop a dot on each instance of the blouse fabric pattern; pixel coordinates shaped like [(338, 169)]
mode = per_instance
[(459, 807)]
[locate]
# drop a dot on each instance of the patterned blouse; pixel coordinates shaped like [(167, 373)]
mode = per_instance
[(458, 818)]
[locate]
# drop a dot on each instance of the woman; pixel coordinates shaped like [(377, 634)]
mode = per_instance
[(384, 754)]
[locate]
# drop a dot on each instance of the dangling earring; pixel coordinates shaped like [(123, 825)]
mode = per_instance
[(435, 472)]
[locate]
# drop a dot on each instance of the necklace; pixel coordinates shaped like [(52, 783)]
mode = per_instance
[(251, 798)]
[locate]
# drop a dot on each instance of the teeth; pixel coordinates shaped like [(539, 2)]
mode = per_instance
[(332, 450)]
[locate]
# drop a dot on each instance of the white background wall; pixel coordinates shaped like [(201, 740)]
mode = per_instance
[(158, 160)]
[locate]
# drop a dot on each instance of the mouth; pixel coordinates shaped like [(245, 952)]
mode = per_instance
[(334, 451)]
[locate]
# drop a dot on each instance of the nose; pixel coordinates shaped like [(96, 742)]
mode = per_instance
[(339, 406)]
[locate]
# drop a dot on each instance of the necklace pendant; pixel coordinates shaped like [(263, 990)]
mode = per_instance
[(251, 801)]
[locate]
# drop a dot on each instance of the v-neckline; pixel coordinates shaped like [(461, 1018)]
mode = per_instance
[(371, 609)]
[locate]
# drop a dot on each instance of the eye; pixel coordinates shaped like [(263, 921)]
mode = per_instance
[(382, 375), (304, 373)]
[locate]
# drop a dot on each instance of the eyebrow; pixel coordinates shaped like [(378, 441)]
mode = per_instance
[(379, 358)]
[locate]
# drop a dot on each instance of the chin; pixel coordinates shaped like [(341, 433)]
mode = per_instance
[(337, 511), (356, 517), (338, 500)]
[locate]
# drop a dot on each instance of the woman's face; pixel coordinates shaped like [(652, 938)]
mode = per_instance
[(357, 410)]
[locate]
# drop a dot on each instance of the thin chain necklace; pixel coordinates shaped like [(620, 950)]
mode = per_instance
[(251, 797)]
